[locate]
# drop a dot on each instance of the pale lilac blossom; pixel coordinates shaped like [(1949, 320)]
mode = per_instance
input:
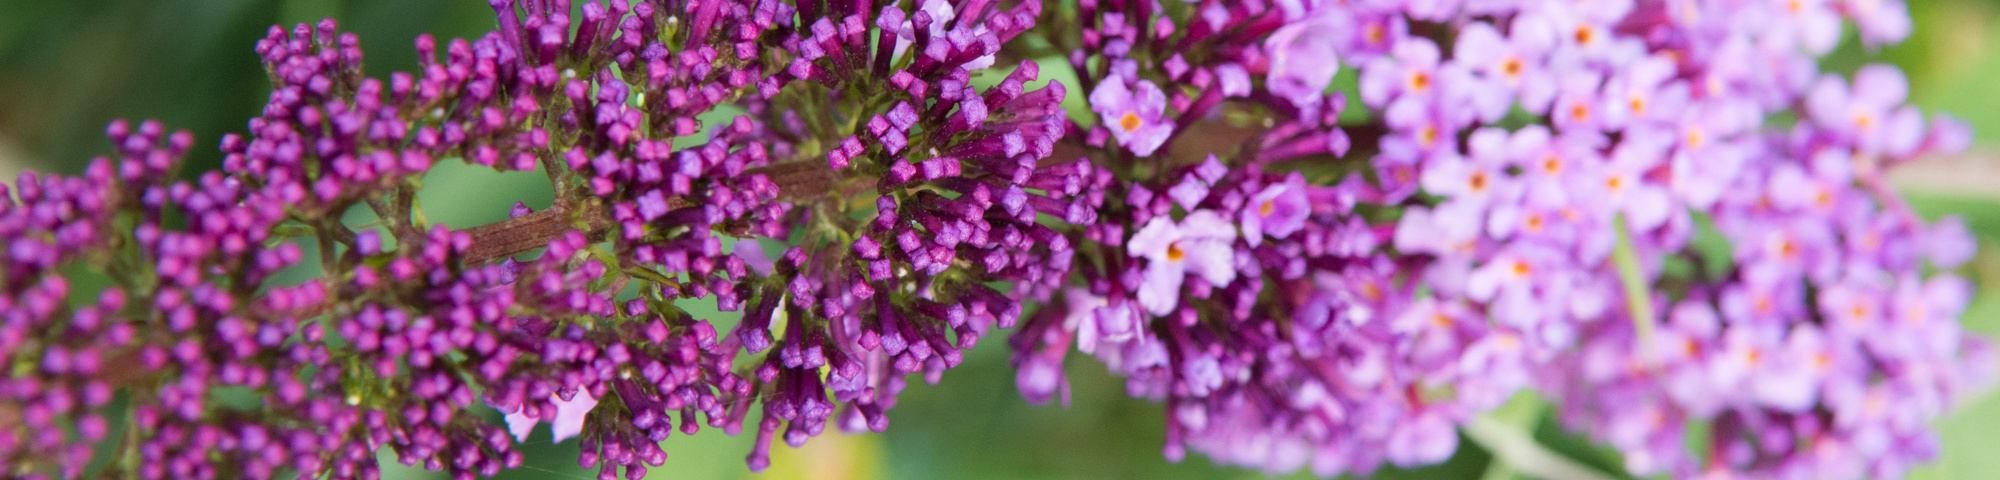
[(1135, 116), (1198, 244)]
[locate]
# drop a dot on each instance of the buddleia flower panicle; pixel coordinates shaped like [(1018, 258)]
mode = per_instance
[(1652, 215)]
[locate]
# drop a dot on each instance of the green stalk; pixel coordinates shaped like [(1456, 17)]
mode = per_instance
[(1518, 453), (1505, 433), (1638, 300)]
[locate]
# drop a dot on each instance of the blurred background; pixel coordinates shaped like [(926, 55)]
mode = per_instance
[(68, 68)]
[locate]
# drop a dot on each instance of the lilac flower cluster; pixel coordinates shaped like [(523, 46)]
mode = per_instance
[(1826, 333), (1520, 185), (1262, 308), (1283, 325), (1293, 344)]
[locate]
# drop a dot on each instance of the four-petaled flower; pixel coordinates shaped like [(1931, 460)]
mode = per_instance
[(1135, 116), (1279, 210), (1872, 114), (568, 422), (1198, 244), (1303, 61)]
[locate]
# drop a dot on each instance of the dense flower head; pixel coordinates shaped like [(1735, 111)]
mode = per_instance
[(415, 327), (1516, 202), (1646, 118)]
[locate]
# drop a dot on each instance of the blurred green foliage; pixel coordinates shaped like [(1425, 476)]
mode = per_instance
[(67, 68)]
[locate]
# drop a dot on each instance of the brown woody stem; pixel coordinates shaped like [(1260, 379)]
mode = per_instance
[(521, 234), (494, 241)]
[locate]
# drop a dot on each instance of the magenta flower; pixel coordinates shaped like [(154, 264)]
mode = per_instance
[(1550, 164), (1137, 118), (1424, 130), (567, 423), (1706, 155), (1871, 115), (1199, 244), (1471, 182), (1278, 210), (1585, 29), (1948, 244), (1517, 283), (1783, 373), (1621, 184), (1528, 222), (1425, 230), (1234, 80), (1880, 21), (1303, 61), (1817, 191), (1645, 92), (1096, 321), (1578, 107), (1509, 66), (1927, 311), (1412, 70), (1373, 35), (1811, 24), (1438, 330), (1427, 438)]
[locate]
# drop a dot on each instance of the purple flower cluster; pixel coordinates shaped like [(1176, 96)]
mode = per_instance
[(1296, 343), (413, 327), (1826, 350), (1285, 326), (905, 214), (1519, 186)]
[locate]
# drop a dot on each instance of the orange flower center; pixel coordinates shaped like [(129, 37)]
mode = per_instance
[(1174, 252), (1478, 181), (1130, 122), (1420, 81), (1585, 34), (1265, 209), (1511, 67)]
